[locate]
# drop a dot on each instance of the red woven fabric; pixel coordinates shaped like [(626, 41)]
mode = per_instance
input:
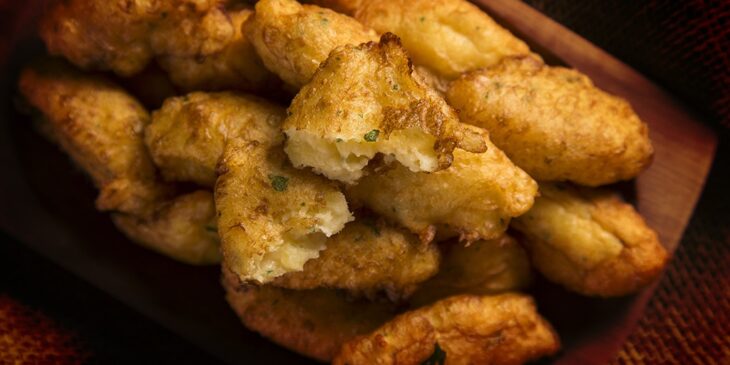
[(28, 337)]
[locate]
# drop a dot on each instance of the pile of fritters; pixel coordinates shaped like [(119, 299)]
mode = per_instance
[(377, 178)]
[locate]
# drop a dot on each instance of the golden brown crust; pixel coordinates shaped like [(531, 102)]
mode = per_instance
[(187, 135), (100, 126), (368, 95), (447, 37), (293, 39), (591, 242), (475, 197), (482, 268), (123, 36), (235, 67), (553, 123), (368, 256), (183, 228), (272, 218), (314, 323), (503, 329)]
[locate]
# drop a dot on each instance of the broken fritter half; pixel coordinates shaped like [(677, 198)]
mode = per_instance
[(364, 100), (272, 218)]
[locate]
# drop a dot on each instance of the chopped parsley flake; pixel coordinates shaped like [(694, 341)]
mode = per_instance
[(438, 356), (396, 87), (338, 140), (422, 19), (372, 136), (279, 183)]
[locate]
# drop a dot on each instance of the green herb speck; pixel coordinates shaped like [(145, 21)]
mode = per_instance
[(338, 140), (396, 87), (372, 136), (437, 357), (279, 183), (422, 19), (325, 21), (212, 229)]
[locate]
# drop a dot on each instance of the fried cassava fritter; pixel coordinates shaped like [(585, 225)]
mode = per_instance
[(365, 100), (444, 37), (183, 228), (474, 198), (553, 123), (100, 126), (314, 323), (368, 256), (272, 218), (293, 39), (236, 66), (590, 241), (187, 135), (484, 267), (502, 330)]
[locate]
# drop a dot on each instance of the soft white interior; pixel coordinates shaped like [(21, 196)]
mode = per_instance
[(343, 158), (296, 247)]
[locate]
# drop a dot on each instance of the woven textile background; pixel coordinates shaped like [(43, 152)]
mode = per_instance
[(683, 45)]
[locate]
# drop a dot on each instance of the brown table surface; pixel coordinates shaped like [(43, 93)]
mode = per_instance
[(48, 316)]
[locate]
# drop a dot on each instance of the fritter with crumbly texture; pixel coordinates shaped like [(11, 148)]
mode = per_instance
[(293, 39), (553, 122), (449, 37), (590, 241), (235, 67), (484, 267), (187, 135), (100, 126), (272, 218), (504, 329), (368, 256), (475, 197), (123, 36), (314, 323), (365, 100), (183, 228)]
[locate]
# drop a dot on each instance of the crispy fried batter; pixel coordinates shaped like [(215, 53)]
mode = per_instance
[(590, 241), (100, 126), (314, 323), (476, 196), (182, 228), (187, 135), (365, 100), (553, 122), (448, 37), (485, 267), (272, 218), (236, 66), (368, 256), (123, 36), (293, 39), (504, 329)]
